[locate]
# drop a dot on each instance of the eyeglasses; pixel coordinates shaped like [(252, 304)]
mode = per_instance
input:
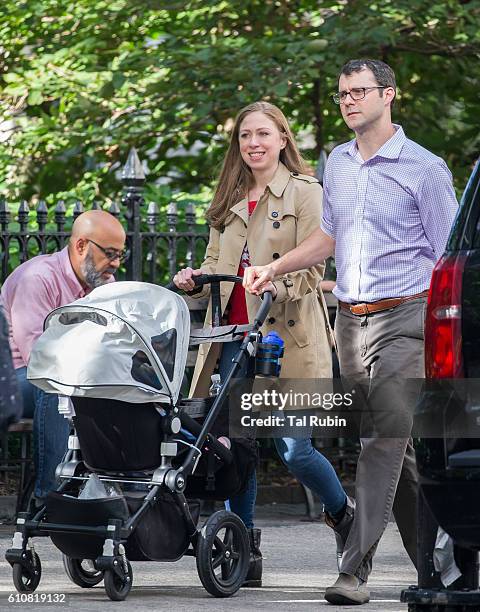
[(112, 254), (357, 93)]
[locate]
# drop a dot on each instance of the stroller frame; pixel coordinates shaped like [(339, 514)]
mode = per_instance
[(112, 565)]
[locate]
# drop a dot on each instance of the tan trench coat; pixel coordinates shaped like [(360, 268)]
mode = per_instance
[(287, 213)]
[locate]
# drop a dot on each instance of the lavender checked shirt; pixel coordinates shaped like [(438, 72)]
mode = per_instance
[(390, 217)]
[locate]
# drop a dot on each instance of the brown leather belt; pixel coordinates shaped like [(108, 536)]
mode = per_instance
[(386, 304)]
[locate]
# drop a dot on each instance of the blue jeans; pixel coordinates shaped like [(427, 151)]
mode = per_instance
[(313, 470), (308, 466), (50, 432)]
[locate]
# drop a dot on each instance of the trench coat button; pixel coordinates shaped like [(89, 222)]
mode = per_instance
[(276, 224), (294, 173), (288, 282), (275, 255), (291, 323), (274, 214), (271, 320)]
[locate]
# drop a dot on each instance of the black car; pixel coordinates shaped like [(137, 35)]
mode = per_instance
[(447, 422)]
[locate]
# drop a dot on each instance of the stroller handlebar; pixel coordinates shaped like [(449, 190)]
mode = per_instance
[(215, 280), (206, 279), (262, 312)]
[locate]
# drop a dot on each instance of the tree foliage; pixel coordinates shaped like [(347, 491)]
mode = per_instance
[(82, 81)]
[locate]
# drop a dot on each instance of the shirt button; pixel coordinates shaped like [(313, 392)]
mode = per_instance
[(276, 224), (276, 255), (271, 320), (291, 323), (274, 214)]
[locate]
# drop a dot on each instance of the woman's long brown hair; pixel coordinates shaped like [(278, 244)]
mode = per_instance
[(236, 177)]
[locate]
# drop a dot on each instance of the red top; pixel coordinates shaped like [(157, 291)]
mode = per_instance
[(237, 305)]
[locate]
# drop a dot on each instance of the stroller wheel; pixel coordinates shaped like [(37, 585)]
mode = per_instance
[(116, 587), (82, 572), (223, 554), (26, 577)]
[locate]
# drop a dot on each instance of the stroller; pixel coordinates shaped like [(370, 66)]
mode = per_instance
[(117, 359)]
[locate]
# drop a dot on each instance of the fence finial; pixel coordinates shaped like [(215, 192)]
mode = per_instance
[(60, 212), (42, 214), (133, 174), (152, 215), (114, 209), (4, 214), (77, 209), (22, 214)]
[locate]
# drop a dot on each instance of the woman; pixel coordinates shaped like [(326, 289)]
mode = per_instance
[(265, 205)]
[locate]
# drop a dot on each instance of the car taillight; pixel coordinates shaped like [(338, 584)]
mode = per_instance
[(443, 326)]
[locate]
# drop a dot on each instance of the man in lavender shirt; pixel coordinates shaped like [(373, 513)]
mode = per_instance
[(93, 254), (389, 205)]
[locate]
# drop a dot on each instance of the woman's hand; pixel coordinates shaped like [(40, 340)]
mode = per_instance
[(183, 279)]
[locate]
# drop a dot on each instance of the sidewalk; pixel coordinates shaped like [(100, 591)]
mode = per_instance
[(299, 564)]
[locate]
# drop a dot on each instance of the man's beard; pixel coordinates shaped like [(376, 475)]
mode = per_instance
[(93, 278)]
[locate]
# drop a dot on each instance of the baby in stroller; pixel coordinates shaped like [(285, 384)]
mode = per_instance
[(117, 358)]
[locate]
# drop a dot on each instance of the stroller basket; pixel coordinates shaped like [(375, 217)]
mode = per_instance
[(160, 536), (69, 510)]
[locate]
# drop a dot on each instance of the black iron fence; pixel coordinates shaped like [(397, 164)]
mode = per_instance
[(160, 241)]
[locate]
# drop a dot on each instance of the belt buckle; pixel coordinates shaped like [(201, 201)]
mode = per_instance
[(364, 309)]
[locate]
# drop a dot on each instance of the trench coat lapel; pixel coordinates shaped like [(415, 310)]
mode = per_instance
[(241, 209), (279, 181)]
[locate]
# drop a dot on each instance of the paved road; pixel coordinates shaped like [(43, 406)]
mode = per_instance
[(299, 564)]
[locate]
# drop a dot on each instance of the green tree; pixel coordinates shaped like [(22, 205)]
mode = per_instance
[(83, 81)]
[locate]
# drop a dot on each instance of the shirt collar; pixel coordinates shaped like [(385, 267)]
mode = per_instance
[(69, 273), (389, 150)]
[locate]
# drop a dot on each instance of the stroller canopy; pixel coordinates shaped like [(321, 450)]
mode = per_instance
[(125, 341)]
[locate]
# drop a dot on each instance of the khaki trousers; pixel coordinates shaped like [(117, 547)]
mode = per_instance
[(379, 353)]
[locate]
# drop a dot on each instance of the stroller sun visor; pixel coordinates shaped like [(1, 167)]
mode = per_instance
[(125, 341)]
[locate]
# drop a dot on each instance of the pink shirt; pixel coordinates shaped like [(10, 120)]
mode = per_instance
[(32, 291)]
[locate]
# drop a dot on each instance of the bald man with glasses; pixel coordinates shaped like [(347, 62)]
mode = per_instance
[(38, 286)]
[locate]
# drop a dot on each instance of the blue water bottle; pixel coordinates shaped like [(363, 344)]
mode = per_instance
[(269, 353)]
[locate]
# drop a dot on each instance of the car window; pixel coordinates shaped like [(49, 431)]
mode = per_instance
[(466, 229)]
